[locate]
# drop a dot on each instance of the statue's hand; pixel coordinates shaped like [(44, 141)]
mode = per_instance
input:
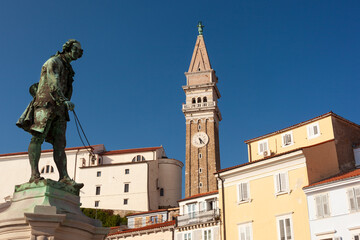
[(69, 105)]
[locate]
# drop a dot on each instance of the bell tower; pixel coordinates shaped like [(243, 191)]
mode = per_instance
[(202, 117)]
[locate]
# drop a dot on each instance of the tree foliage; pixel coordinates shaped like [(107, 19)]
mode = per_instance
[(107, 217)]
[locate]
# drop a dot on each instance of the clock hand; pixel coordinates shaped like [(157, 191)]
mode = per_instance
[(201, 141)]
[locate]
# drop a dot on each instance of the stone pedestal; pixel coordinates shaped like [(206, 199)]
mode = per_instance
[(47, 210)]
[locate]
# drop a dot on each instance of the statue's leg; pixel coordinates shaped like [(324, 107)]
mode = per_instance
[(34, 152), (59, 143)]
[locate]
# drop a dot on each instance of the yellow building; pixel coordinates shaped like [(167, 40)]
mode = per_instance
[(263, 199)]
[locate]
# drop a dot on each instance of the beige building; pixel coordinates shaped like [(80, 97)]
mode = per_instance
[(202, 115), (127, 180), (264, 198)]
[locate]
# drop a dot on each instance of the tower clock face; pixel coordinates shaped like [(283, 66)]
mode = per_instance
[(200, 139)]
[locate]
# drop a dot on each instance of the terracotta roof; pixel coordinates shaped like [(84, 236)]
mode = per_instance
[(153, 211), (48, 150), (148, 149), (303, 123), (158, 225), (337, 177), (199, 195)]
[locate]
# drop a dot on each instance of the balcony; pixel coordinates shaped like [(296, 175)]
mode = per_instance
[(198, 105), (198, 217)]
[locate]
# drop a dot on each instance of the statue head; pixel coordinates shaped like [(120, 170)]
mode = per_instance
[(73, 49)]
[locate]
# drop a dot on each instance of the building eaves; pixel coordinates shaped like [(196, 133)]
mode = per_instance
[(149, 227), (337, 177), (260, 160), (301, 124), (49, 150), (199, 195), (133, 150)]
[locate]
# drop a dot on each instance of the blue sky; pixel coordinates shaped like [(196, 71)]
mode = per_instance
[(278, 63)]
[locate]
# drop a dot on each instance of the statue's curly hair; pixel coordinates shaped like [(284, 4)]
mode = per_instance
[(67, 46)]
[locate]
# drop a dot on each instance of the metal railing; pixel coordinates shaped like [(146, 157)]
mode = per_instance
[(198, 217), (199, 105)]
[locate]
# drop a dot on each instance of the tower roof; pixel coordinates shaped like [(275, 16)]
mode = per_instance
[(200, 59)]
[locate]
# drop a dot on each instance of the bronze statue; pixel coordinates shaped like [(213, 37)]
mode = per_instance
[(47, 114)]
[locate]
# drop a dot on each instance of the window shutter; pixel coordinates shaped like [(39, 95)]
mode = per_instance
[(245, 191), (319, 209), (261, 147), (282, 230), (288, 229), (357, 197), (283, 182), (239, 192), (277, 177), (315, 131), (351, 196), (325, 202), (247, 232)]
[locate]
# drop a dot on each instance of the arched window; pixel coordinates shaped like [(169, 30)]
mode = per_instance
[(138, 158), (193, 100), (199, 100), (204, 99), (161, 192)]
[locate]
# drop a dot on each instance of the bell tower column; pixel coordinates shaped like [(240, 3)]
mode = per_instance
[(202, 117)]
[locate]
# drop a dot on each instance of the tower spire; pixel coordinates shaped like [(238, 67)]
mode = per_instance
[(202, 115)]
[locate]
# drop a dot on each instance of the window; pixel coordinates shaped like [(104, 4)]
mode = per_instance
[(126, 200), (127, 171), (138, 158), (357, 237), (204, 99), (200, 156), (243, 192), (199, 127), (200, 184), (354, 199), (97, 190), (96, 204), (187, 236), (263, 147), (245, 231), (210, 205), (284, 225), (199, 100), (207, 234), (193, 100), (98, 174), (47, 169), (83, 162), (287, 139), (99, 161), (191, 210), (154, 219), (126, 187), (313, 130), (161, 192), (200, 170), (322, 206), (281, 183)]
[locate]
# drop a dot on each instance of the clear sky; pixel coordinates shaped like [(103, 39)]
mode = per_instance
[(278, 63)]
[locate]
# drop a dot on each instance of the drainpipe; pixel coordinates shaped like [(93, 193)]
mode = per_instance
[(148, 185), (223, 204), (77, 152)]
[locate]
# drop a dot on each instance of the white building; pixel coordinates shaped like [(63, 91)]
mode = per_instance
[(129, 180), (199, 217), (334, 207)]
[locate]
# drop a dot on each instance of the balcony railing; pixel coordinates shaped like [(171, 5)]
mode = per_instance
[(198, 217), (199, 105)]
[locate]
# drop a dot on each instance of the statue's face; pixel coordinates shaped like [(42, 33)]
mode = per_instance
[(76, 51)]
